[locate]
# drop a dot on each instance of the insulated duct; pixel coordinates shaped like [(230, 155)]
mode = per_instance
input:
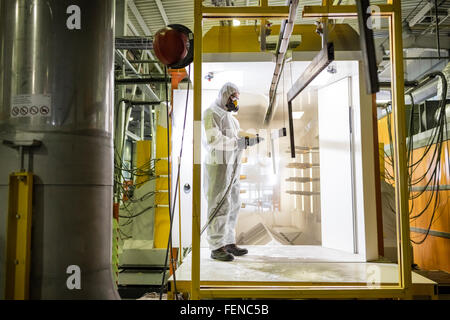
[(56, 86)]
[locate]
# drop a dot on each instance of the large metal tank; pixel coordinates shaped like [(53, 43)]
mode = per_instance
[(56, 85)]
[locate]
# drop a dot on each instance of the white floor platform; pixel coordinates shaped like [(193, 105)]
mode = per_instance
[(310, 264)]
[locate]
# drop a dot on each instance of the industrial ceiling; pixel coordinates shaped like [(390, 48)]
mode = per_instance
[(146, 17), (158, 13)]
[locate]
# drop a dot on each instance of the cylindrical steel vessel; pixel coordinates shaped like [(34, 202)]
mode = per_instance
[(56, 85)]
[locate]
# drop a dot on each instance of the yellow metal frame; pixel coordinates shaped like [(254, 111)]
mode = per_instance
[(19, 236), (198, 289)]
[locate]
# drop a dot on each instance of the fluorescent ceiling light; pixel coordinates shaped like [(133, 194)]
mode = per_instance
[(296, 115)]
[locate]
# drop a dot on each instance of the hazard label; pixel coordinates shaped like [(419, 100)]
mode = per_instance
[(31, 105), (24, 111), (34, 110), (45, 110), (15, 111)]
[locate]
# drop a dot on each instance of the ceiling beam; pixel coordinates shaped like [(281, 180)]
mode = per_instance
[(144, 87), (139, 18), (144, 28), (162, 12), (427, 7)]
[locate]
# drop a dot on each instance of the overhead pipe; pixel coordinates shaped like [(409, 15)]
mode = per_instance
[(129, 81), (419, 58), (421, 90)]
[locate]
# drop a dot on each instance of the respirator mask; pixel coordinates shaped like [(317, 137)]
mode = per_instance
[(232, 105)]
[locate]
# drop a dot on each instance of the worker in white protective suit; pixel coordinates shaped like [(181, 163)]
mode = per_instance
[(222, 172)]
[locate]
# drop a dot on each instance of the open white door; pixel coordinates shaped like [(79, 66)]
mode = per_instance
[(336, 168)]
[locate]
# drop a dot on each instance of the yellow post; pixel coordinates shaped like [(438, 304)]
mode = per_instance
[(143, 161), (162, 214), (19, 236), (400, 163), (196, 178)]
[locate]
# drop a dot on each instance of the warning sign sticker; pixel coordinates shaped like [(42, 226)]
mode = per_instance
[(31, 105), (34, 110)]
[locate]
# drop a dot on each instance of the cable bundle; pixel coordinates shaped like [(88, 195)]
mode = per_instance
[(430, 179)]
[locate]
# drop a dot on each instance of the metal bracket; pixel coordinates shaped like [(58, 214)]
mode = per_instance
[(23, 145), (317, 65), (276, 135), (322, 30)]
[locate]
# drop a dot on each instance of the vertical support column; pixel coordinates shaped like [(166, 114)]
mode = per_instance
[(120, 29), (162, 213), (142, 123), (324, 21), (262, 35), (291, 129), (19, 236), (377, 158), (196, 178), (143, 161), (400, 169)]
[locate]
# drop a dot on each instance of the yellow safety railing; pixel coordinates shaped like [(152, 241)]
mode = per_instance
[(19, 236)]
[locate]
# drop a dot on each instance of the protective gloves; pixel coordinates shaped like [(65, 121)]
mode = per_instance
[(245, 142), (242, 143), (252, 141)]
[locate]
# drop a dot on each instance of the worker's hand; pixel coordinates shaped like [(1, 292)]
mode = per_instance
[(242, 143), (252, 141), (245, 142)]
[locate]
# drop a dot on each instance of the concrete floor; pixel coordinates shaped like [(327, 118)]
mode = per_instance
[(294, 264)]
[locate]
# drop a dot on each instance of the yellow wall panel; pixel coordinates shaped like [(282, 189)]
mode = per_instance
[(245, 39), (162, 198), (162, 183), (143, 157), (162, 227)]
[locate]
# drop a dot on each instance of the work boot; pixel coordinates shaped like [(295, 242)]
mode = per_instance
[(235, 250), (222, 255)]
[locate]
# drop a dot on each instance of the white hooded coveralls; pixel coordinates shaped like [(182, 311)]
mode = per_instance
[(222, 169)]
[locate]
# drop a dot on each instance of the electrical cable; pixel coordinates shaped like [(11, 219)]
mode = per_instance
[(137, 214), (430, 177), (216, 210), (442, 123), (177, 181), (436, 157), (169, 245)]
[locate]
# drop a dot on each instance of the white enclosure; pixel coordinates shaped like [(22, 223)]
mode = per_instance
[(343, 216)]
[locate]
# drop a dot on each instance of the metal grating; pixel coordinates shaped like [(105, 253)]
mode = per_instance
[(134, 43)]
